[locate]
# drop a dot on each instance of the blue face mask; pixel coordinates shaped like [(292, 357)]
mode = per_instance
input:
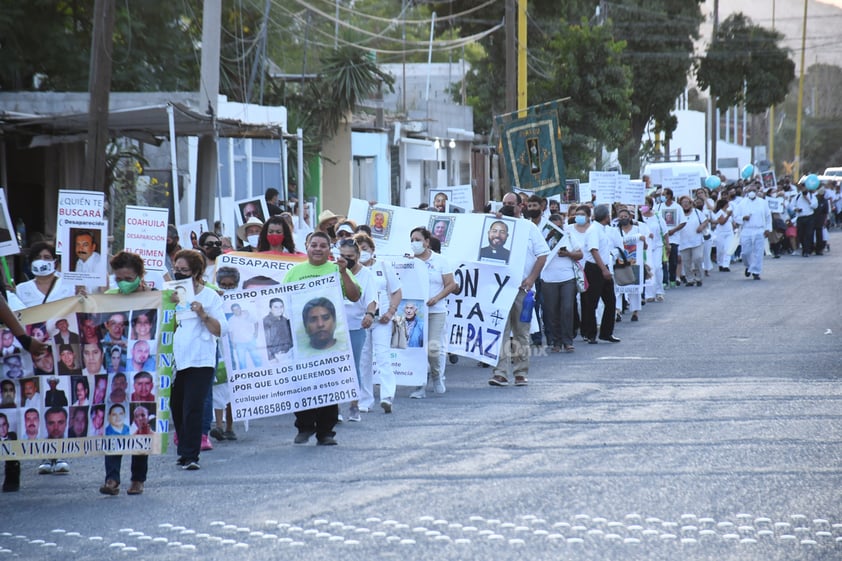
[(662, 199), (581, 220)]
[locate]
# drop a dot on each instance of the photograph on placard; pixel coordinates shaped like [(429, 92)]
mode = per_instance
[(441, 228), (8, 240), (380, 222), (440, 199), (254, 207), (496, 247)]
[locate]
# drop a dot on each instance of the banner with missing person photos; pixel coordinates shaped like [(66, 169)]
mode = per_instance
[(287, 348), (100, 387)]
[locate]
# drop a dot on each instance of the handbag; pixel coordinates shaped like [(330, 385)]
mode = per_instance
[(624, 275), (581, 279)]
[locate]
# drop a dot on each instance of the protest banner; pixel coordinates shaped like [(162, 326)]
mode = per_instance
[(479, 310), (471, 231), (82, 236), (604, 185), (102, 385), (252, 207), (408, 348), (247, 269), (146, 235), (8, 240), (288, 348), (531, 149), (451, 198)]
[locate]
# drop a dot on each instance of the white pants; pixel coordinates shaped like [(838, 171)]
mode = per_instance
[(724, 240), (377, 342), (654, 286), (707, 245), (753, 242)]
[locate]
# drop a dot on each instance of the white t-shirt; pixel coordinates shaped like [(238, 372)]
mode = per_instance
[(536, 247), (194, 346), (355, 311), (437, 266), (386, 283), (29, 294), (688, 237)]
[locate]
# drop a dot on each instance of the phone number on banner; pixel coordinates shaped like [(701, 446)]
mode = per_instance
[(280, 407)]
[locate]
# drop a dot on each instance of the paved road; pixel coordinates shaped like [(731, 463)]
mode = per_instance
[(711, 432)]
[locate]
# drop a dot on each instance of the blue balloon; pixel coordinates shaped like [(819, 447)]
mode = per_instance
[(713, 182), (748, 171), (812, 182)]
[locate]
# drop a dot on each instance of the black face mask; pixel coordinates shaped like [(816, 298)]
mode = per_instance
[(213, 252), (170, 247), (181, 276), (623, 222), (350, 263), (533, 213), (331, 231)]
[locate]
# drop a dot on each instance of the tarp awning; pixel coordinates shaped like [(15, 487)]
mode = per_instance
[(147, 124)]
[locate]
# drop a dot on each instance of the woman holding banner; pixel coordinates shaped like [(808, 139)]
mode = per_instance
[(128, 271), (46, 286), (389, 294), (360, 314), (194, 350), (440, 276)]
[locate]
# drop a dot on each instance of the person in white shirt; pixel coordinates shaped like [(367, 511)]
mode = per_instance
[(723, 233), (559, 287), (692, 224), (756, 220), (657, 240), (670, 211), (516, 354), (597, 249), (804, 205)]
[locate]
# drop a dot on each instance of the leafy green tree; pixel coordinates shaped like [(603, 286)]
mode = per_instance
[(745, 64), (586, 65), (659, 36)]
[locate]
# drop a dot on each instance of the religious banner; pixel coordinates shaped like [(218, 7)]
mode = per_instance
[(288, 348), (408, 345), (8, 240), (100, 387), (82, 237), (146, 235), (479, 310), (531, 148)]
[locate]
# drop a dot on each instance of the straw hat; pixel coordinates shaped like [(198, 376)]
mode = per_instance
[(252, 221)]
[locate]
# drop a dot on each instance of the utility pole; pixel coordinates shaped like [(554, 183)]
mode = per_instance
[(771, 155), (99, 87), (511, 57), (208, 160), (714, 121), (521, 58), (796, 170)]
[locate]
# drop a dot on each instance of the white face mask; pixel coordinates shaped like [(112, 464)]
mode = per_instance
[(417, 247), (42, 268), (752, 195), (365, 256), (252, 240)]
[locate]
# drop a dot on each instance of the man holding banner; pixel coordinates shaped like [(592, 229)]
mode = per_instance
[(321, 420), (516, 353)]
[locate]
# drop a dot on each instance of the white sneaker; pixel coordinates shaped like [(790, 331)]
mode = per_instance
[(61, 467), (386, 404), (419, 393), (354, 414), (45, 467), (438, 386)]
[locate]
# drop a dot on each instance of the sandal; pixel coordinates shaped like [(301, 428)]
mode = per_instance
[(569, 348)]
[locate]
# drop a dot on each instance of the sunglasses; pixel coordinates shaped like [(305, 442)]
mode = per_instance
[(212, 244), (347, 243)]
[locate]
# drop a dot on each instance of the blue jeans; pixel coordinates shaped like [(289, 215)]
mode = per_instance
[(140, 466), (357, 342)]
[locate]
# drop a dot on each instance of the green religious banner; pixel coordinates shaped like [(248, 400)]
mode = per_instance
[(532, 149)]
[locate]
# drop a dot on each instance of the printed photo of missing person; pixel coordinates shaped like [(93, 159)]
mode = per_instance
[(496, 247), (379, 222)]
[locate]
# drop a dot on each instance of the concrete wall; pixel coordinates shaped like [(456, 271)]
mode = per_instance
[(375, 145), (337, 179)]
